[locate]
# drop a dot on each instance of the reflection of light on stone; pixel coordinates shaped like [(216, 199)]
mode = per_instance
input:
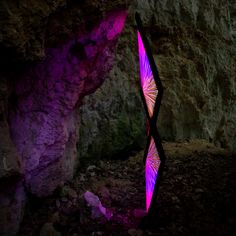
[(44, 128)]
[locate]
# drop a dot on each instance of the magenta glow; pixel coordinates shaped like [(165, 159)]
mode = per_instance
[(147, 81), (150, 93)]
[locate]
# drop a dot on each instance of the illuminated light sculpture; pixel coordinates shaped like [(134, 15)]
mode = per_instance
[(151, 93)]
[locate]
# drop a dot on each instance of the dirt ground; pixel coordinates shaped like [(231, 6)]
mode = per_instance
[(197, 197)]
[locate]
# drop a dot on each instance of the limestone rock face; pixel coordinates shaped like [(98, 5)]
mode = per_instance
[(112, 119), (12, 194), (9, 162), (44, 121), (12, 202), (52, 54), (194, 48), (232, 8), (196, 54), (28, 27)]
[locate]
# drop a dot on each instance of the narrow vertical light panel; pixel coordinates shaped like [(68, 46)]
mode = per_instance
[(151, 92), (147, 81), (151, 171)]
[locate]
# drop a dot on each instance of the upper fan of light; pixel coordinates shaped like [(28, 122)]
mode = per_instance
[(148, 84)]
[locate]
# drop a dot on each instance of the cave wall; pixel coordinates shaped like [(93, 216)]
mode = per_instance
[(232, 9), (52, 55), (44, 120), (112, 119), (193, 43), (196, 58), (12, 194)]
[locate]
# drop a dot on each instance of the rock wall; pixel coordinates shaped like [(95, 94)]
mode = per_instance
[(12, 194), (52, 55), (196, 59), (232, 8), (112, 119), (194, 48), (44, 120)]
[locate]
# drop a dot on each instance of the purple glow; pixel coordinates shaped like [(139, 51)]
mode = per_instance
[(150, 92), (44, 127), (151, 171), (147, 81)]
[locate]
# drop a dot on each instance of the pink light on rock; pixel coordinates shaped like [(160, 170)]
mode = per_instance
[(44, 126)]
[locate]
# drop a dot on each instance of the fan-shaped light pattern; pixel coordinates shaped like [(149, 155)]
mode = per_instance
[(151, 171), (148, 84)]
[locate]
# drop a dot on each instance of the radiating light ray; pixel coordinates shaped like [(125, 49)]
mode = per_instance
[(148, 84), (151, 171), (150, 92)]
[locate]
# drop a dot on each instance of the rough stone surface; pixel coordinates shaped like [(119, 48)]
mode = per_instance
[(195, 51), (28, 27), (12, 202), (12, 197), (48, 230), (233, 17), (44, 121), (196, 59), (51, 55), (112, 118), (9, 160)]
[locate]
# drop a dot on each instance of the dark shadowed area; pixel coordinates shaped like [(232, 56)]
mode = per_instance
[(197, 196)]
